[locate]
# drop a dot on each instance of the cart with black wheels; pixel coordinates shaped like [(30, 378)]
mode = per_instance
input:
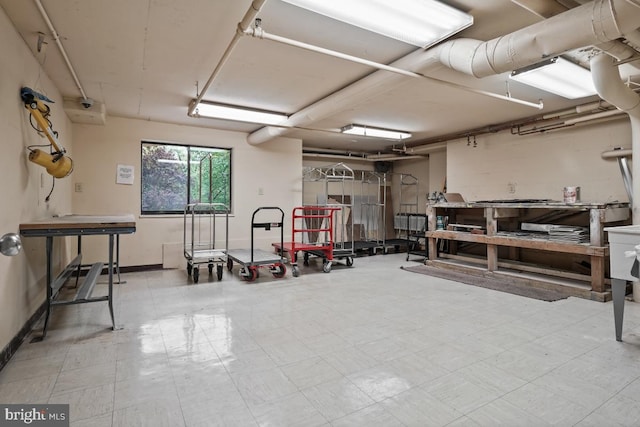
[(201, 245), (312, 234), (252, 259)]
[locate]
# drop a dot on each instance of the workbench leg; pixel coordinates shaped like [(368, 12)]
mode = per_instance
[(113, 321), (618, 289), (117, 264), (79, 269), (492, 230), (49, 245), (597, 274)]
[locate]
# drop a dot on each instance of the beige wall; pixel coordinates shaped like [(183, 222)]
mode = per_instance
[(273, 167), (420, 170), (540, 165), (24, 184), (437, 171), (426, 170)]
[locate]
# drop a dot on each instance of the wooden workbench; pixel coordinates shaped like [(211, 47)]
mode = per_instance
[(501, 223)]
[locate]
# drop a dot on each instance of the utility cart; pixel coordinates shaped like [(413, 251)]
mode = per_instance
[(333, 187), (252, 259), (201, 246), (312, 234)]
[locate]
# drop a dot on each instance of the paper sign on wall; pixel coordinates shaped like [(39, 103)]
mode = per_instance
[(124, 174)]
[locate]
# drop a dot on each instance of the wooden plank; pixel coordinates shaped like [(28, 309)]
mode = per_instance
[(506, 213), (502, 240), (615, 214), (525, 279), (597, 274), (596, 234), (521, 266), (580, 206), (80, 221), (544, 270), (492, 229)]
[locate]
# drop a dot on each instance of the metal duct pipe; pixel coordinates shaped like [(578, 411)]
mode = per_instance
[(610, 87), (622, 155), (247, 20), (593, 23)]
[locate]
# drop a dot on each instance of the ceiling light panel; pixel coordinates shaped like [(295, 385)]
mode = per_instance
[(238, 113), (418, 22), (375, 132), (559, 76)]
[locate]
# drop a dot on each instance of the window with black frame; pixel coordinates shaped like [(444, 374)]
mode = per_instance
[(174, 175)]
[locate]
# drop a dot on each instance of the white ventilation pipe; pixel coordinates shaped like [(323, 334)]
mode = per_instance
[(610, 87), (593, 23)]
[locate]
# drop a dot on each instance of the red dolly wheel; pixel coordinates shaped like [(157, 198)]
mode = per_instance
[(279, 270), (251, 273)]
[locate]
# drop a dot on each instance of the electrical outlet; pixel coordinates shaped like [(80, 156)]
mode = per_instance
[(511, 187), (78, 187), (260, 191)]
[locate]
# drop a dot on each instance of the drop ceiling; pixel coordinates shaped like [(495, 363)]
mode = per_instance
[(149, 59)]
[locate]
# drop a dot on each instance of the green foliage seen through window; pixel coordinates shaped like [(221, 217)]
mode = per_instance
[(168, 184)]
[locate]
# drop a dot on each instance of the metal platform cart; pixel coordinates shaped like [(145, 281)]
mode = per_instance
[(312, 234), (200, 242), (252, 259)]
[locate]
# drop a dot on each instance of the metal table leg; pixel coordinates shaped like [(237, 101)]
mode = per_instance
[(49, 245), (618, 290)]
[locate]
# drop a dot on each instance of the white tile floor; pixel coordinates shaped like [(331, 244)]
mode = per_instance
[(370, 345)]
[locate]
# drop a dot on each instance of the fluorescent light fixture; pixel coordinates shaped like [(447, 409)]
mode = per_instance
[(418, 22), (375, 132), (559, 76), (237, 113)]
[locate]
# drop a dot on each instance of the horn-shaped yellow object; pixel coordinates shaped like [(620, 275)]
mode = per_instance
[(57, 164), (57, 167)]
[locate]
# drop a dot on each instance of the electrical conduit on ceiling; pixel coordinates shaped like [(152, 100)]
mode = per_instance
[(590, 24), (259, 33), (63, 52), (247, 20)]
